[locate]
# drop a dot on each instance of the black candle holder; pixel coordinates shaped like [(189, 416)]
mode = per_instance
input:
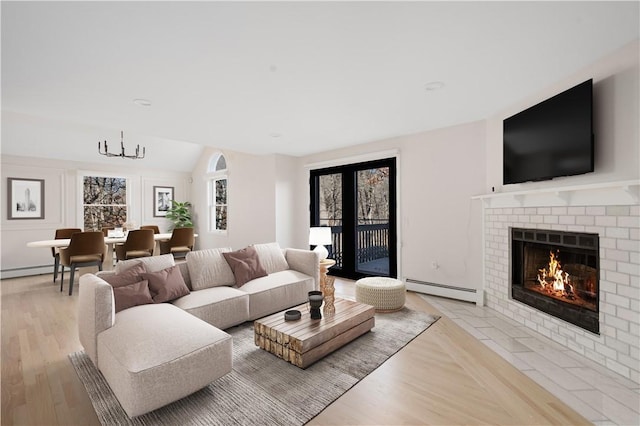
[(315, 302)]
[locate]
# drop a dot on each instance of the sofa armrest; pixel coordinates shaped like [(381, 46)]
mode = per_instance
[(305, 261), (96, 312)]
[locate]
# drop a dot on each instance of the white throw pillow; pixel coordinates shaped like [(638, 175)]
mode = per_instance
[(208, 268), (151, 263), (271, 257)]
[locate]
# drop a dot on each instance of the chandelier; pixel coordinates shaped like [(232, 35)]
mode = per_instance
[(122, 154)]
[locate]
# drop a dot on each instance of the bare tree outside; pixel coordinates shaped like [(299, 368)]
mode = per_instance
[(373, 219), (373, 196), (221, 204), (104, 202), (372, 202), (372, 216), (331, 200)]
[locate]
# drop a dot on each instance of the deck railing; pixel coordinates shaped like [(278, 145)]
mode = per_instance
[(372, 243)]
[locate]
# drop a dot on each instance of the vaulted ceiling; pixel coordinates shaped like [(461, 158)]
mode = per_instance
[(285, 77)]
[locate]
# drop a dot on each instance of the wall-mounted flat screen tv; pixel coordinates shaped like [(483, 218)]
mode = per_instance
[(551, 139)]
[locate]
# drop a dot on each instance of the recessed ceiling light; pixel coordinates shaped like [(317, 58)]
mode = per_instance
[(433, 85), (142, 102)]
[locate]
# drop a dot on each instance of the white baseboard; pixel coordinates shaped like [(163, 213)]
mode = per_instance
[(442, 290), (25, 272)]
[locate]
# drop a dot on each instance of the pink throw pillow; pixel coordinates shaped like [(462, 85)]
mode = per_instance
[(166, 284), (245, 265), (130, 276), (128, 296)]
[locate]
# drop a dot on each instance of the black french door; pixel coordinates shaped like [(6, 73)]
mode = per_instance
[(358, 202)]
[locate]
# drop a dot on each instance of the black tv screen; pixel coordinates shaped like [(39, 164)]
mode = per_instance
[(551, 139)]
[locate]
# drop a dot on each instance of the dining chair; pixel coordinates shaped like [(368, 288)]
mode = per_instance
[(85, 249), (155, 228), (61, 234), (181, 242), (139, 243)]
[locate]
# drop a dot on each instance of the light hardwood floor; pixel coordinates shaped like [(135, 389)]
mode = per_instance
[(445, 376)]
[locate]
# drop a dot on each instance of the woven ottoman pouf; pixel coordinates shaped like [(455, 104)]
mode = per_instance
[(385, 294)]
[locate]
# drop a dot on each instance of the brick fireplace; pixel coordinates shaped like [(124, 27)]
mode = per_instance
[(557, 272), (616, 227)]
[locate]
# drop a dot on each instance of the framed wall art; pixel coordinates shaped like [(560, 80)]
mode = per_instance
[(26, 198), (162, 197)]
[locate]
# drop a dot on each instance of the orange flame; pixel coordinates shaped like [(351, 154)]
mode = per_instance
[(558, 278)]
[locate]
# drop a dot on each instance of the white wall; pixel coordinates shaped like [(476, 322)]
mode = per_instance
[(287, 200), (441, 170), (61, 140), (63, 203), (438, 173), (259, 197)]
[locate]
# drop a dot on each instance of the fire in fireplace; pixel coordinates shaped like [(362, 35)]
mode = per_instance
[(574, 283), (557, 272)]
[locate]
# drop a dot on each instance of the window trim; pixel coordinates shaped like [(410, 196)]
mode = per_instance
[(212, 177), (80, 197)]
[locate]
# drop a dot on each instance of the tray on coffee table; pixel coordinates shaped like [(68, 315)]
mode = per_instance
[(302, 342)]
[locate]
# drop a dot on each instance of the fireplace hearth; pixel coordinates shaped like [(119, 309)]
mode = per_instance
[(557, 273)]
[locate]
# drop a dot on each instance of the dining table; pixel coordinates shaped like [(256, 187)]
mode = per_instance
[(110, 242)]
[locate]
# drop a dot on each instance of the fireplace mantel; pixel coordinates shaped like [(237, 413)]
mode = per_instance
[(606, 193)]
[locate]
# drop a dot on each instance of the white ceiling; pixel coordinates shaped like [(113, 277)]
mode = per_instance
[(289, 78)]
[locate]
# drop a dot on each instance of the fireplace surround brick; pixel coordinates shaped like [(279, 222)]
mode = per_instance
[(618, 345)]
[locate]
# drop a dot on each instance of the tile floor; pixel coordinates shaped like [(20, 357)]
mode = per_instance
[(603, 397)]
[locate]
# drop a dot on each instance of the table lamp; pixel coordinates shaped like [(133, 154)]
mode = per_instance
[(319, 237)]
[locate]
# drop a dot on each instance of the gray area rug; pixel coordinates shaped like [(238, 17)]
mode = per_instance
[(263, 389)]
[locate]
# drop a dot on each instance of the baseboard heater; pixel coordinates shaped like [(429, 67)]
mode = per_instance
[(25, 271), (449, 291)]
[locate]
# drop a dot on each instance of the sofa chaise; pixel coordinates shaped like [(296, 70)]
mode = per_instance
[(152, 354)]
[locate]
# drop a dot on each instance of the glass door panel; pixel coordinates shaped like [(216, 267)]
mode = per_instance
[(372, 221), (358, 202), (330, 212)]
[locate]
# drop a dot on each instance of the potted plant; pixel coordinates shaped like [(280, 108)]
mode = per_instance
[(180, 214)]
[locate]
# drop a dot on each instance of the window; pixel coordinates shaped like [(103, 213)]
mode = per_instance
[(218, 193), (104, 202)]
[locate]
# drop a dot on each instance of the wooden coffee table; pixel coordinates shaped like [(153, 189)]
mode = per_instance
[(302, 342)]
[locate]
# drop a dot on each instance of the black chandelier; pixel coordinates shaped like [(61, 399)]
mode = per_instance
[(122, 154)]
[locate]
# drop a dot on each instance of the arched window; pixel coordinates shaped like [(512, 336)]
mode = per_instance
[(217, 163), (218, 193)]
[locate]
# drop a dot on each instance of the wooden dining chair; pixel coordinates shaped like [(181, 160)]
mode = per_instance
[(61, 234), (181, 242), (155, 228), (85, 249), (139, 243)]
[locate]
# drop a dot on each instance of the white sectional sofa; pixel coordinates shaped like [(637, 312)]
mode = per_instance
[(157, 353)]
